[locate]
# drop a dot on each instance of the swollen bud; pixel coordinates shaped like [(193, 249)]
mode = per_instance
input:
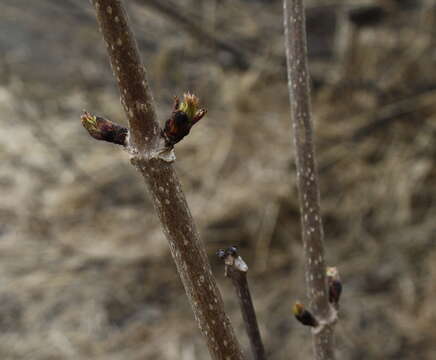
[(304, 316), (334, 285), (185, 115), (103, 129)]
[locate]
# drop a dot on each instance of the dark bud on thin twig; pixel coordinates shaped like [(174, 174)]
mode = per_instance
[(334, 285), (304, 316), (102, 129), (184, 116)]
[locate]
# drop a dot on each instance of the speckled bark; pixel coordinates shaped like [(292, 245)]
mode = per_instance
[(186, 248), (312, 229), (240, 283)]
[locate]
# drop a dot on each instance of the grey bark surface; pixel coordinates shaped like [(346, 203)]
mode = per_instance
[(309, 197), (169, 201), (236, 269), (242, 289)]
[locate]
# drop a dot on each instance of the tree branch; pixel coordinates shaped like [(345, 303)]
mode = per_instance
[(309, 198), (143, 142), (236, 269)]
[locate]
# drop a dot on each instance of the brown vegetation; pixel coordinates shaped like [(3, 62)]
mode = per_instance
[(77, 278)]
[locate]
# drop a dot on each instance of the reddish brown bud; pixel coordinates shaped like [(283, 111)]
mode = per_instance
[(334, 285), (102, 129), (185, 114), (303, 315)]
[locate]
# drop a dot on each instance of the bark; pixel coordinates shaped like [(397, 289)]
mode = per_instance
[(309, 197), (144, 142), (236, 269)]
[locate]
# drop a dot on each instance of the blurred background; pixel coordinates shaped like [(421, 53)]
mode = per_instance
[(85, 272)]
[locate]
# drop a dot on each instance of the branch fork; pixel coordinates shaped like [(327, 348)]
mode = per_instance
[(305, 317), (324, 323), (143, 143), (184, 116)]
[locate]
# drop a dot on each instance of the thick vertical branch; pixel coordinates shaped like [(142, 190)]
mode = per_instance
[(312, 230), (143, 142)]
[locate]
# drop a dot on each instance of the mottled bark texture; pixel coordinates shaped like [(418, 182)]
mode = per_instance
[(312, 229), (236, 269), (143, 143)]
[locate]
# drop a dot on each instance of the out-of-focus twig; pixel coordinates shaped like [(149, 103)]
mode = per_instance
[(206, 37), (375, 121), (392, 112), (268, 225)]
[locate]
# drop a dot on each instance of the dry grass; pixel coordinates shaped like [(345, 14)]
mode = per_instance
[(80, 281)]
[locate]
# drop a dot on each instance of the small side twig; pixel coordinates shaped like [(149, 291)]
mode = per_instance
[(236, 269), (184, 116)]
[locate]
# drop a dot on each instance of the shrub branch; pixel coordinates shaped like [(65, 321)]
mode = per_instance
[(309, 197), (145, 141), (236, 269)]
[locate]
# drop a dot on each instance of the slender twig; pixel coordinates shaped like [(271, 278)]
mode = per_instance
[(145, 142), (309, 197), (236, 269)]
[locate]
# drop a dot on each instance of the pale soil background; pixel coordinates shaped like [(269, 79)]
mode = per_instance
[(85, 271)]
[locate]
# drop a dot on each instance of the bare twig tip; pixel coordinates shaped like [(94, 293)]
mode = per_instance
[(232, 259)]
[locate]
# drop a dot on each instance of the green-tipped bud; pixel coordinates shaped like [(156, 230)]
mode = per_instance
[(190, 105), (304, 316), (89, 122), (298, 309), (185, 114), (103, 129)]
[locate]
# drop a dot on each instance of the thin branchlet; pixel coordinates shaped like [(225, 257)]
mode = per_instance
[(307, 178), (236, 269)]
